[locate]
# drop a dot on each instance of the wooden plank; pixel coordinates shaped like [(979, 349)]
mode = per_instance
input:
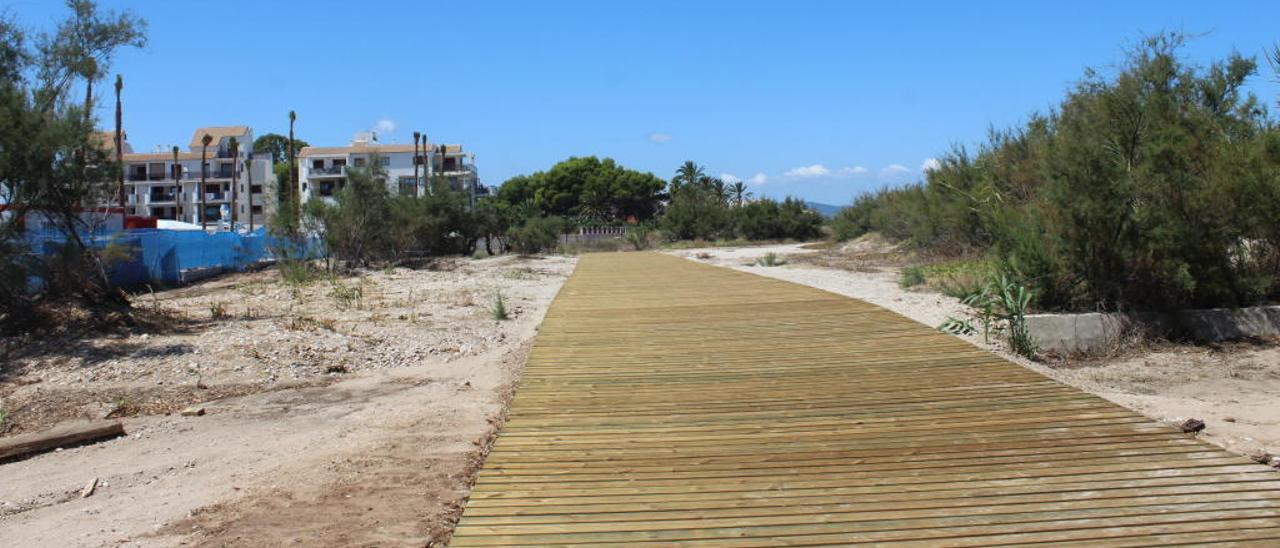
[(63, 435), (668, 402)]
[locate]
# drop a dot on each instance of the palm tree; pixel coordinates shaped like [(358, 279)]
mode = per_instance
[(688, 174), (177, 180), (739, 192), (235, 153), (204, 171), (293, 177), (248, 172), (718, 188), (416, 137), (119, 153)]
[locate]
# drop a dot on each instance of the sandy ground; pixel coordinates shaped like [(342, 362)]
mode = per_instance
[(335, 417), (1232, 387)]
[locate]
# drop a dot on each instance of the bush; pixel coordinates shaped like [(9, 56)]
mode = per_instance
[(638, 237), (1155, 187), (770, 259), (911, 276), (499, 311), (536, 234)]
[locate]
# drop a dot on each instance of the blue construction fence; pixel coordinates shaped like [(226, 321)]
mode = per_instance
[(166, 257)]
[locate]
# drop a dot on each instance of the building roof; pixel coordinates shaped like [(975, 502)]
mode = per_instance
[(218, 133)]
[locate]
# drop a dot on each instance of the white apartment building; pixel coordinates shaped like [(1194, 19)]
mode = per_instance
[(322, 171), (168, 185)]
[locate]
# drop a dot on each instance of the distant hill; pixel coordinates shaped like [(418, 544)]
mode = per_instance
[(826, 210)]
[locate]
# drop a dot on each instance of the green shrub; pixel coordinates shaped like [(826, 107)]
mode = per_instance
[(911, 276), (770, 259), (638, 237), (536, 235), (1153, 186), (499, 310)]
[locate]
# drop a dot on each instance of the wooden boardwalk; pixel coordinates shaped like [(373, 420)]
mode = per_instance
[(673, 403)]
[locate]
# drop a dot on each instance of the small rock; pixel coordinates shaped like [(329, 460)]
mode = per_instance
[(1191, 426), (193, 412), (1228, 419), (1260, 457)]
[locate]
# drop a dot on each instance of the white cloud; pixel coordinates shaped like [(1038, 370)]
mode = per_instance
[(930, 164), (808, 172), (659, 137), (894, 171), (758, 179), (384, 127), (853, 171), (730, 178)]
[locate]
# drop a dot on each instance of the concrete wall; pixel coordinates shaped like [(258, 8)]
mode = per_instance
[(1074, 333)]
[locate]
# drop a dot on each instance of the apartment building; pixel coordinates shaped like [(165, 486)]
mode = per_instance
[(195, 185), (322, 171)]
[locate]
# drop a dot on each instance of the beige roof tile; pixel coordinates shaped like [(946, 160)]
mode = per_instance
[(218, 133)]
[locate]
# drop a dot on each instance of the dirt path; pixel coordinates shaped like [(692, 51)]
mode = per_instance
[(1232, 387), (381, 455)]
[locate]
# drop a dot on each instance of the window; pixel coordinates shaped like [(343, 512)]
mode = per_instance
[(340, 162), (384, 161), (255, 189), (138, 172), (406, 186), (317, 164), (257, 210), (359, 162)]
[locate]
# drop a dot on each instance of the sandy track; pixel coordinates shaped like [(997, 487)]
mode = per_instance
[(380, 456)]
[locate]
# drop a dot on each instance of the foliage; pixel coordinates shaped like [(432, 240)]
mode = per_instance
[(638, 236), (277, 146), (1156, 186), (770, 259), (536, 234), (587, 188), (499, 310), (1001, 306), (365, 224), (51, 162), (911, 276), (357, 227)]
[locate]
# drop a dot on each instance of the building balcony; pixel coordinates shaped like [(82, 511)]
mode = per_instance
[(161, 199), (195, 175), (210, 197), (335, 171)]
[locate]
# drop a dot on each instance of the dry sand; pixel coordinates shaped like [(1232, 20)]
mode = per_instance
[(1234, 388), (362, 425)]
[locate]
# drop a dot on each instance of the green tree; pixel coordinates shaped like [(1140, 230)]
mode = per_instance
[(277, 146), (587, 188), (52, 162), (357, 227), (688, 174), (738, 191)]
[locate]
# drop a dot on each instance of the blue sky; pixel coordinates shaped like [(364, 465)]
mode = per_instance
[(816, 99)]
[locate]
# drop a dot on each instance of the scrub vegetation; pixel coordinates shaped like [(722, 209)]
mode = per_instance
[(1153, 186)]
